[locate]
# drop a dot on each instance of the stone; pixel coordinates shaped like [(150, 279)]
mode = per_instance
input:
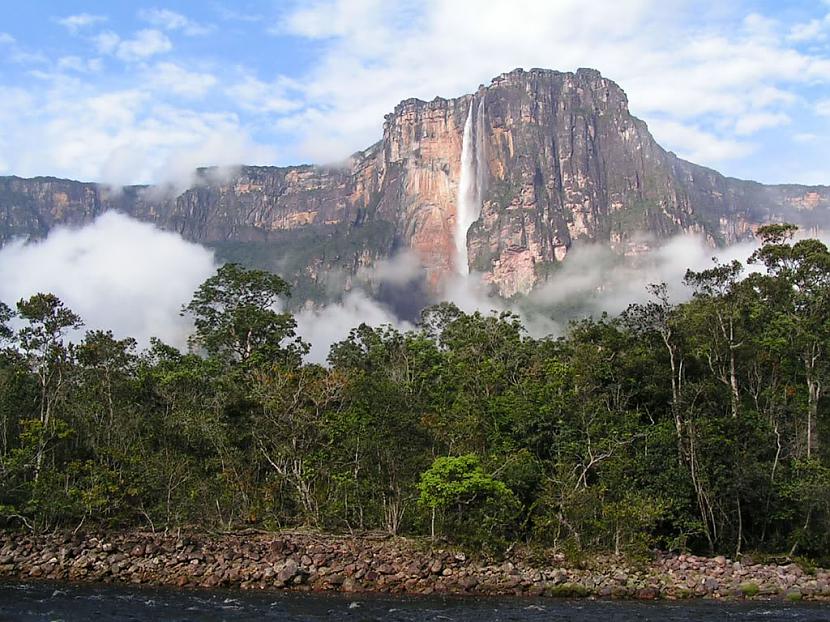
[(469, 582), (288, 570), (647, 593), (511, 582), (239, 564), (535, 590)]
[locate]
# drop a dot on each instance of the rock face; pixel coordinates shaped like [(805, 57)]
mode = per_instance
[(559, 159)]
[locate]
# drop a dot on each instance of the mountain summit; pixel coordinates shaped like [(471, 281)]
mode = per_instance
[(503, 182)]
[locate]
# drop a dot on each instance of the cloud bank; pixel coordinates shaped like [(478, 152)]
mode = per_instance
[(132, 278), (116, 273), (324, 327)]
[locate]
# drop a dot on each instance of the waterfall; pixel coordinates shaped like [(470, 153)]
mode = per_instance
[(481, 159), (470, 183)]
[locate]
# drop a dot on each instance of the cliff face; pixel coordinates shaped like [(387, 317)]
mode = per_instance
[(558, 160)]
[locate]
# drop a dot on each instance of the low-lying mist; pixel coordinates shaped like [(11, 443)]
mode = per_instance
[(133, 278), (116, 273)]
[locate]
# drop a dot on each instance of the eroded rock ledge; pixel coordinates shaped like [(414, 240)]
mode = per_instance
[(304, 562)]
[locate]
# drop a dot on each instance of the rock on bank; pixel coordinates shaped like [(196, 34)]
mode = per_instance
[(304, 562)]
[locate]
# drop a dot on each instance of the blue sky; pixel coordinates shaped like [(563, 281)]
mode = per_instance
[(133, 92)]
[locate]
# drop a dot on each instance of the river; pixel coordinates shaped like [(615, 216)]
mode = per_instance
[(61, 602)]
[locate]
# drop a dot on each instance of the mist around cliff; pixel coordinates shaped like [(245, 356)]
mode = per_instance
[(116, 273), (593, 279), (133, 278)]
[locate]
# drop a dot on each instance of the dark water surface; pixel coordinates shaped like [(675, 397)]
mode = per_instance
[(53, 602)]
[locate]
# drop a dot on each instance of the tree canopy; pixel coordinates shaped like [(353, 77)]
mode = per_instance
[(699, 425)]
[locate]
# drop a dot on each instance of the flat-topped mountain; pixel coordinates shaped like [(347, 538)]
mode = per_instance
[(503, 181)]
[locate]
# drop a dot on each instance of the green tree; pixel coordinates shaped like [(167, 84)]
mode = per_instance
[(6, 314), (477, 508), (798, 286), (237, 318), (41, 341), (387, 390), (719, 307), (657, 320), (289, 430)]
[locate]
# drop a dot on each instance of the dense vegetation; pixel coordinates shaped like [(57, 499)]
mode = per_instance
[(694, 426)]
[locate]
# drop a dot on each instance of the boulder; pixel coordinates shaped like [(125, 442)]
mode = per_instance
[(288, 571)]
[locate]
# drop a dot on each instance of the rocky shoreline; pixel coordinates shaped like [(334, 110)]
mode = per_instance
[(310, 562)]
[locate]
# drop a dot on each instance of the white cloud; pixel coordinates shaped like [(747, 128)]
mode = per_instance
[(232, 15), (755, 121), (805, 137), (144, 44), (258, 96), (12, 101), (13, 52), (822, 107), (106, 42), (696, 145), (678, 60), (704, 74), (74, 23), (399, 270), (178, 80), (170, 20), (207, 140), (323, 327), (23, 57), (809, 31), (598, 280), (81, 65), (322, 19), (120, 137), (116, 273)]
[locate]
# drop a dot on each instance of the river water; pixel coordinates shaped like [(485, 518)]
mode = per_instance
[(55, 602)]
